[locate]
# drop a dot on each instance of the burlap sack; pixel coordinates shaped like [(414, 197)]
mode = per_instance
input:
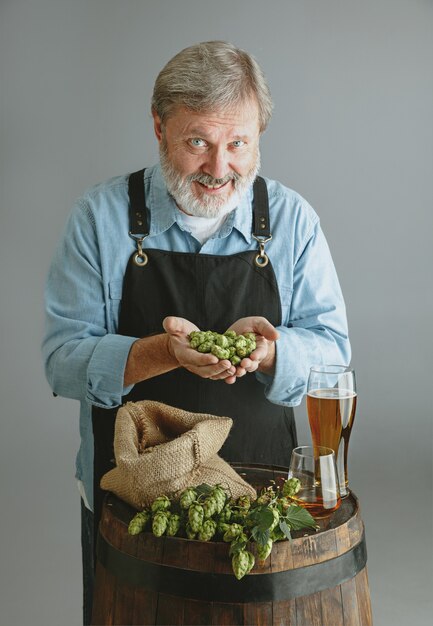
[(161, 450)]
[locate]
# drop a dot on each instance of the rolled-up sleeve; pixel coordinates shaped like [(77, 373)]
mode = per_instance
[(317, 331), (82, 359)]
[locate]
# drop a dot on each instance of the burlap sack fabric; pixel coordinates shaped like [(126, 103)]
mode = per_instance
[(161, 450)]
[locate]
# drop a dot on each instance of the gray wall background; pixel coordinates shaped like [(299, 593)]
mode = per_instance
[(352, 132)]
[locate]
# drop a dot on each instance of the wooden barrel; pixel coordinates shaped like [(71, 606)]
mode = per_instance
[(317, 579)]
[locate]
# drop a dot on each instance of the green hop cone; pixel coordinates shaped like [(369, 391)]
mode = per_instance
[(159, 523), (189, 531), (173, 525), (220, 498), (276, 519), (210, 507), (244, 502), (226, 346), (187, 497), (264, 551), (138, 522), (222, 527), (232, 532), (242, 563), (195, 342), (206, 346), (162, 503), (263, 499), (221, 353), (239, 516), (291, 487), (195, 517), (222, 341), (251, 346), (251, 561), (207, 531)]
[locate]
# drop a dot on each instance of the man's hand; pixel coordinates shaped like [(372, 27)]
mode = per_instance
[(263, 357), (204, 365)]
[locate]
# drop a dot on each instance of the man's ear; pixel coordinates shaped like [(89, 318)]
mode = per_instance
[(157, 125)]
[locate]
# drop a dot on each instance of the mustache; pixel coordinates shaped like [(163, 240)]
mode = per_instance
[(207, 179)]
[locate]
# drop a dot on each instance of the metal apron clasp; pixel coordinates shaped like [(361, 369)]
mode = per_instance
[(140, 258), (262, 258)]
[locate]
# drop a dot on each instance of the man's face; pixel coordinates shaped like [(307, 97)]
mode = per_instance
[(210, 159)]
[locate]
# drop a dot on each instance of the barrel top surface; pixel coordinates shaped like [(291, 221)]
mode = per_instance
[(259, 476)]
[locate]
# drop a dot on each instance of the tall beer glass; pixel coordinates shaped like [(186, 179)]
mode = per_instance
[(331, 406)]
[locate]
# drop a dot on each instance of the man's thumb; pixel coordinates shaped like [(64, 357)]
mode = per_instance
[(174, 325), (265, 328)]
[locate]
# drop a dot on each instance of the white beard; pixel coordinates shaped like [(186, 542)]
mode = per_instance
[(207, 206)]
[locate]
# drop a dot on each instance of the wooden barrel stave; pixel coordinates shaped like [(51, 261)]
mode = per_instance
[(117, 602)]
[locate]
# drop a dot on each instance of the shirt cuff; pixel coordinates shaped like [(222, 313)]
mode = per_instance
[(106, 371), (287, 386)]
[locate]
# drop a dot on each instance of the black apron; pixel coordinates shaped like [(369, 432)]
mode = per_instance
[(212, 292)]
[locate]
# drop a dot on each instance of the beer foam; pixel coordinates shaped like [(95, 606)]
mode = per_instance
[(332, 393)]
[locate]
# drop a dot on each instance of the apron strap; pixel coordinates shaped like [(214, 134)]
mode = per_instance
[(138, 210), (261, 222), (137, 204)]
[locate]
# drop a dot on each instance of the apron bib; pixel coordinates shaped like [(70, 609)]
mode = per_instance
[(212, 292)]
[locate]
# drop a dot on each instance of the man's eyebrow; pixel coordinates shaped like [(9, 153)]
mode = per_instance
[(198, 131)]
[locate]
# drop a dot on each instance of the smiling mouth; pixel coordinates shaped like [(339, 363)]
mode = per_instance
[(215, 186)]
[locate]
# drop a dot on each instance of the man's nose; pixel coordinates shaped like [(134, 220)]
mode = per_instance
[(217, 163)]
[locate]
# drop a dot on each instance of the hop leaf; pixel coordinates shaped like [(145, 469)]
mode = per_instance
[(285, 530), (298, 517)]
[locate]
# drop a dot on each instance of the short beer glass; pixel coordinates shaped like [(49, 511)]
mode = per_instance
[(314, 467), (331, 406)]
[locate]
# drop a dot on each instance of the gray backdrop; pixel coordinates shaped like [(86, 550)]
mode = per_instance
[(352, 132)]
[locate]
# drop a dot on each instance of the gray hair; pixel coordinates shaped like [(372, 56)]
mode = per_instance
[(211, 76)]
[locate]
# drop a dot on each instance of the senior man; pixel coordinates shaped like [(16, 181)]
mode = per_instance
[(199, 241)]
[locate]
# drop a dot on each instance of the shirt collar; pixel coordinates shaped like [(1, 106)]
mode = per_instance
[(164, 210)]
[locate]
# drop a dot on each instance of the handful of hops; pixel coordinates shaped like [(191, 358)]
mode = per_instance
[(208, 512), (227, 346)]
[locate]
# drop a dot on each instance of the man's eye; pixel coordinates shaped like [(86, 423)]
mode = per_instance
[(197, 143), (238, 143)]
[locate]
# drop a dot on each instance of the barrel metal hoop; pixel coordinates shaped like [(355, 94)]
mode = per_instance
[(212, 587)]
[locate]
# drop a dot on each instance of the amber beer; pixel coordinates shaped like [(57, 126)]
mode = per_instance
[(331, 413), (316, 505)]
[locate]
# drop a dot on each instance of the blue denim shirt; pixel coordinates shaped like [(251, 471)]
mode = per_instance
[(85, 358)]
